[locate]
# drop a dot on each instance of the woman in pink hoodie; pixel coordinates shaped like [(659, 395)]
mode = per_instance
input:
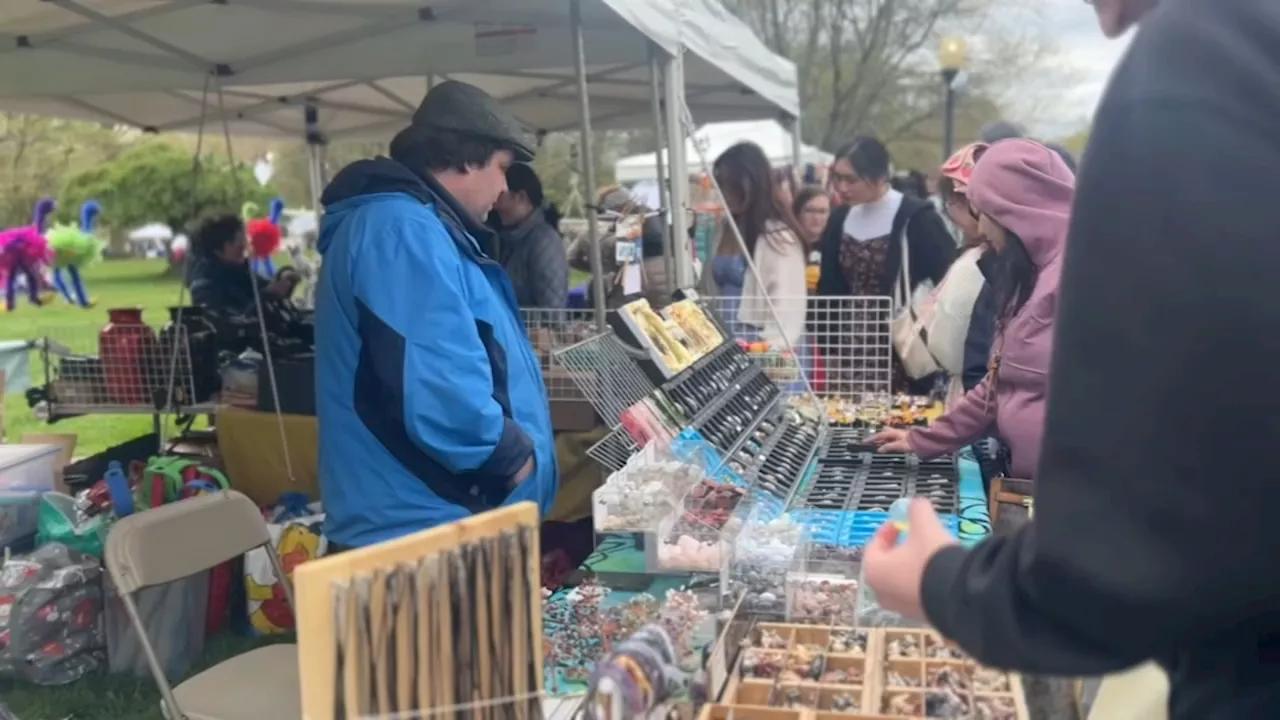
[(1021, 193)]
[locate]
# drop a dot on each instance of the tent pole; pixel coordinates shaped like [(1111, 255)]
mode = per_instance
[(678, 169), (316, 140), (664, 202), (313, 170), (793, 124), (587, 157)]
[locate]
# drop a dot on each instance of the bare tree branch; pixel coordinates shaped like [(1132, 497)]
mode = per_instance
[(867, 66)]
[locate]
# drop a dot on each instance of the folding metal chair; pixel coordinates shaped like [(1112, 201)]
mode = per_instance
[(171, 542)]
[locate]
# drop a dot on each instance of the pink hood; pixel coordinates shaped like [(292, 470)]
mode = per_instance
[(1027, 189)]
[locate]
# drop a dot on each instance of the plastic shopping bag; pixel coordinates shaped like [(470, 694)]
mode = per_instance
[(50, 616), (60, 522), (296, 541)]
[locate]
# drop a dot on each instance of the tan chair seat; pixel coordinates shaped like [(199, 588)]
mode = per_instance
[(257, 685)]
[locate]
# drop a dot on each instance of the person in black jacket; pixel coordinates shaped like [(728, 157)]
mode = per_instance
[(1155, 533), (862, 250), (220, 278)]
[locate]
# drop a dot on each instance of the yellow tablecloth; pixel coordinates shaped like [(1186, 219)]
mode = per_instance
[(253, 454)]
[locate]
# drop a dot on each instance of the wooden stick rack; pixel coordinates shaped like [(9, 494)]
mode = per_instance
[(443, 623)]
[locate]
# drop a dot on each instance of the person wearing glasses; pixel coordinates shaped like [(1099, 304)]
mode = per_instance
[(862, 250), (964, 310), (811, 208)]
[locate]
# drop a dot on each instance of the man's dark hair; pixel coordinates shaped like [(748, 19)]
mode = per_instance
[(214, 232), (1063, 153), (997, 130), (447, 150), (912, 183), (868, 157)]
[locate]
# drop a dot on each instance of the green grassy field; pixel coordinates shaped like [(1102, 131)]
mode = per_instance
[(115, 283)]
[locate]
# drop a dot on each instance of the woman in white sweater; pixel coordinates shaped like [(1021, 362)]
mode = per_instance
[(770, 238)]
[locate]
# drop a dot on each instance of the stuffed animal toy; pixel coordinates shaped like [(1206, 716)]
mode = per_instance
[(264, 236), (308, 270), (74, 248), (24, 252)]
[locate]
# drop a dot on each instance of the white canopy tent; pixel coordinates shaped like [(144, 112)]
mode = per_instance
[(365, 64), (715, 138), (334, 68)]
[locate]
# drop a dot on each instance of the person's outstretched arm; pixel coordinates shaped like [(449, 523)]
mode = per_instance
[(1155, 521), (971, 418), (423, 355)]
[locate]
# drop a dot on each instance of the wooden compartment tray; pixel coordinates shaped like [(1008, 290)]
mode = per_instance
[(805, 672)]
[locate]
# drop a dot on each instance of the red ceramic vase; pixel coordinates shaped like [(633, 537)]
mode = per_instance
[(127, 347)]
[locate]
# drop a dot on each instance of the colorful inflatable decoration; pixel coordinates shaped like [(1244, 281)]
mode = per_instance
[(74, 248), (24, 252), (264, 236)]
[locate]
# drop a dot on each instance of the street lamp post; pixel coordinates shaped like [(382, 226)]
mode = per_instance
[(952, 54)]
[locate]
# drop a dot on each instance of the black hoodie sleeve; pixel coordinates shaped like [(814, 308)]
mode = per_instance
[(1155, 521), (831, 279), (977, 341), (932, 246)]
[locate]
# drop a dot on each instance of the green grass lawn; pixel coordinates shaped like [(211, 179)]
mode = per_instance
[(114, 697), (112, 283)]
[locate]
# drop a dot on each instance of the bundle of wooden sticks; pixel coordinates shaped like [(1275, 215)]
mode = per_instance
[(446, 623)]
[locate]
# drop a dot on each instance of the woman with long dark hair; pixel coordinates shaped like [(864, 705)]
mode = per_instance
[(529, 244), (863, 255), (769, 233), (1021, 194)]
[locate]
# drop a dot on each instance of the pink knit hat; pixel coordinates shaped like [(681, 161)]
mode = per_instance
[(959, 167)]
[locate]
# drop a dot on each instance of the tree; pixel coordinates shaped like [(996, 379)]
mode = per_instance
[(292, 174), (868, 66), (557, 164), (38, 153), (157, 181)]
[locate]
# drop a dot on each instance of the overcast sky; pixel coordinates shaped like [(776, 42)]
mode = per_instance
[(1074, 27)]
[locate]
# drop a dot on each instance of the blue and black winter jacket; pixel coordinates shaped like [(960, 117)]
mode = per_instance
[(428, 394)]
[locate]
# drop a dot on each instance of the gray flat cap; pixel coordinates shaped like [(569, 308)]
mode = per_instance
[(467, 110)]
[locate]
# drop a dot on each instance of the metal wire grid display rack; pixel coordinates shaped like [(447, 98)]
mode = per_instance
[(141, 372), (847, 348), (551, 330), (606, 373)]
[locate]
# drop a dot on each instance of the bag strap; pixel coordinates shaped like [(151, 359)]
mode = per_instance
[(903, 286)]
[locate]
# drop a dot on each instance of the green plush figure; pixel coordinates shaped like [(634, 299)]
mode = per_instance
[(73, 248)]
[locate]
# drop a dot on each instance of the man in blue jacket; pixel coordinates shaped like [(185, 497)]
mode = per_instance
[(429, 398)]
